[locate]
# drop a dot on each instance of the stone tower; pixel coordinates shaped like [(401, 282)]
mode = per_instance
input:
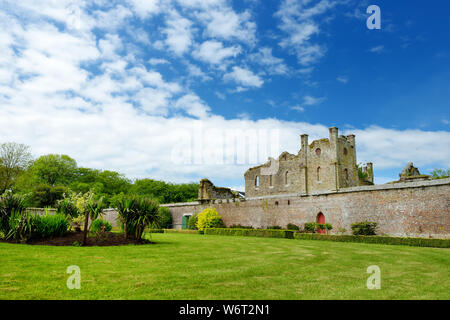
[(325, 164)]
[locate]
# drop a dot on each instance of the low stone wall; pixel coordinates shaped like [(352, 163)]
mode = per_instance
[(416, 209)]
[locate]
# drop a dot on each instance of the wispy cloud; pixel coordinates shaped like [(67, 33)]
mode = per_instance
[(342, 79), (377, 49)]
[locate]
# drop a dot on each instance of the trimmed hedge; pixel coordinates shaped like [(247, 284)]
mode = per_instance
[(416, 242), (267, 233), (182, 231), (155, 230)]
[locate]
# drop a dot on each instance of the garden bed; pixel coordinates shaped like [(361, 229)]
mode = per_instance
[(76, 238)]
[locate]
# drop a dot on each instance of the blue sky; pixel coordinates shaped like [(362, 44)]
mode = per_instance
[(134, 85)]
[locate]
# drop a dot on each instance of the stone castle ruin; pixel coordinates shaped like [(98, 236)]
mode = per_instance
[(323, 183), (325, 164)]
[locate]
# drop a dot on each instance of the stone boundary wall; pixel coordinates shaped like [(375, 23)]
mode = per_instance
[(413, 209)]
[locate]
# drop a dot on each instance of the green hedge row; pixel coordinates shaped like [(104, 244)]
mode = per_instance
[(268, 233), (155, 230), (182, 231), (417, 242)]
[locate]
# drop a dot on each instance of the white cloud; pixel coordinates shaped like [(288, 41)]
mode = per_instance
[(273, 64), (298, 22), (342, 79), (377, 49), (312, 101), (298, 108), (244, 77), (193, 105), (195, 72), (145, 8), (178, 33), (213, 52), (156, 61)]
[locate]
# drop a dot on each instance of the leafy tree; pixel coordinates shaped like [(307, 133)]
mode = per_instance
[(165, 192), (15, 158), (55, 169), (45, 195)]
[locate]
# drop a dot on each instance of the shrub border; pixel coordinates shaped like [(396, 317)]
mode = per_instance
[(267, 233), (187, 231), (415, 242), (290, 234)]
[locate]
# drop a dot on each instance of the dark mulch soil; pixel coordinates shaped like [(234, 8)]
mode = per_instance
[(106, 239)]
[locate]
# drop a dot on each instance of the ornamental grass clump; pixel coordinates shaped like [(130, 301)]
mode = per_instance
[(136, 214)]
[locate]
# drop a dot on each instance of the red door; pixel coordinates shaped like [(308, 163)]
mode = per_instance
[(321, 220)]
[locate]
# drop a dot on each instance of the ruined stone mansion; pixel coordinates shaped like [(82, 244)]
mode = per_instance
[(322, 183), (325, 164)]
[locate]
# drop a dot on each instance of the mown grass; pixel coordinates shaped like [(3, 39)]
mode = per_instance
[(184, 266)]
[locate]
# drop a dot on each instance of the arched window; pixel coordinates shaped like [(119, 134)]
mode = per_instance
[(346, 174), (257, 181), (318, 151), (270, 181), (345, 151), (286, 180), (318, 173)]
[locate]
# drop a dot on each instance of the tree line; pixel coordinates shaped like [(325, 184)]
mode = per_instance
[(45, 180)]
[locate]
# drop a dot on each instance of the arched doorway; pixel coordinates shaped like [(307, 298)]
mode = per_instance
[(321, 220)]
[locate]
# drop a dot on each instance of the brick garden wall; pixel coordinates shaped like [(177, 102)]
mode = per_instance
[(419, 209), (414, 209)]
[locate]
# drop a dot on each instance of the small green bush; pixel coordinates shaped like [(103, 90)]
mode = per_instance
[(274, 227), (310, 227), (273, 233), (292, 226), (49, 226), (192, 222), (100, 225), (364, 228), (417, 242)]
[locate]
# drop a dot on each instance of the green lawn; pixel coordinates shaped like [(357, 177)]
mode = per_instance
[(184, 266)]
